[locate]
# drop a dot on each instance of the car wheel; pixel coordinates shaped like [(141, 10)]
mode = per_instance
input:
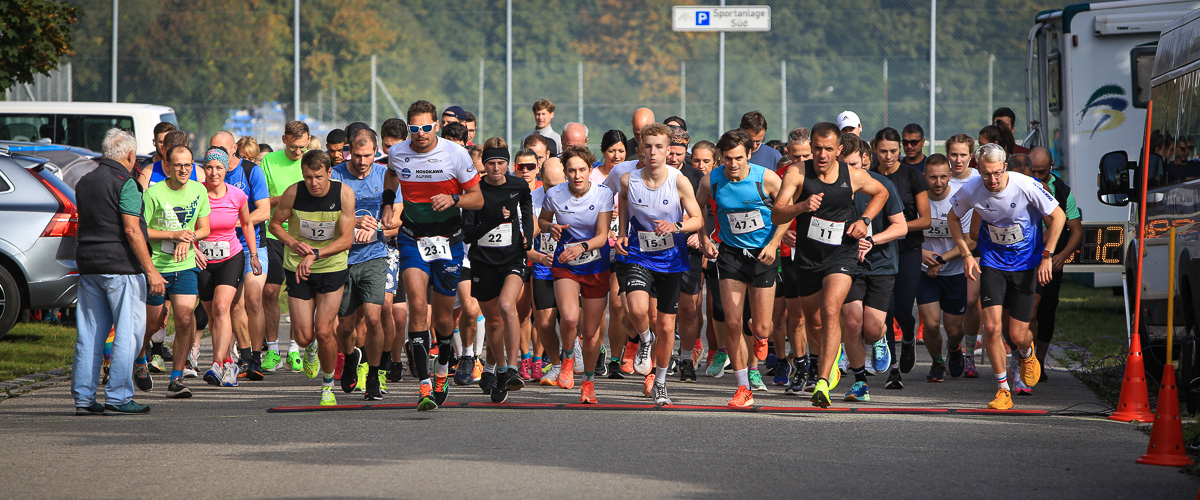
[(10, 301)]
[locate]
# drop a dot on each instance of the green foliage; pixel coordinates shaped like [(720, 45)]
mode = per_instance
[(34, 35)]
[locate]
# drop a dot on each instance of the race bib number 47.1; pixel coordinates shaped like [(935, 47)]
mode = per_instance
[(745, 222)]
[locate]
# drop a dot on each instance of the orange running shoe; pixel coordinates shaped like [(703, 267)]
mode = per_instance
[(760, 349), (439, 389), (477, 371), (648, 385), (1031, 370), (1003, 400), (627, 357), (588, 392), (566, 374), (743, 398)]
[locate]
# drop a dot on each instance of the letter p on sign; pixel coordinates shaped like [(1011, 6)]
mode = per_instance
[(702, 18)]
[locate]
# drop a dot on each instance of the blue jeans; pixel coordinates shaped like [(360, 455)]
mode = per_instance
[(108, 302)]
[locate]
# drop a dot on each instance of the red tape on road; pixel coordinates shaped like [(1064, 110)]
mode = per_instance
[(689, 408)]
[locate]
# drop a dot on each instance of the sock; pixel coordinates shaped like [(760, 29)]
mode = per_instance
[(373, 373), (159, 336), (326, 379), (685, 355), (156, 348), (754, 368), (385, 360), (614, 360), (937, 360), (256, 356), (860, 373), (1026, 352), (489, 368), (537, 361), (568, 353), (293, 346), (631, 340), (645, 336), (244, 354), (176, 374), (526, 355), (227, 360), (469, 351), (273, 347), (660, 375), (743, 378), (140, 361), (420, 353), (722, 350), (1002, 380), (589, 376), (445, 349)]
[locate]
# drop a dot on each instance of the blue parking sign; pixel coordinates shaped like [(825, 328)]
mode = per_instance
[(702, 18)]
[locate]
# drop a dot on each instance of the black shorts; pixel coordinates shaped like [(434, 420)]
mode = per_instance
[(664, 286), (543, 295), (743, 265), (227, 272), (811, 281), (874, 291), (464, 274), (789, 279), (950, 292), (274, 261), (618, 269), (316, 283), (693, 278), (714, 291), (779, 285), (487, 281), (1014, 290)]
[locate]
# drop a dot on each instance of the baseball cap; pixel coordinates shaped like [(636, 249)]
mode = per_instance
[(848, 119), (455, 111)]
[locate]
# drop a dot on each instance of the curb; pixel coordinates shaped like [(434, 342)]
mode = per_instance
[(28, 383)]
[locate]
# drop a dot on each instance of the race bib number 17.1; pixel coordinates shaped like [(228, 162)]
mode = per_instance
[(1007, 235)]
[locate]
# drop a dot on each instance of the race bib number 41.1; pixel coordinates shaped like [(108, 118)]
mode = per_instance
[(434, 248), (1007, 235), (317, 230), (825, 231), (745, 222), (215, 250)]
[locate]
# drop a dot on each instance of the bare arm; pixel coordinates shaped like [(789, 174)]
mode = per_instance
[(785, 209), (862, 181), (923, 220), (133, 234)]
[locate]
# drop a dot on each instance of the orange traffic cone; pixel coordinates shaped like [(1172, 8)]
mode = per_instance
[(1134, 404), (1166, 437)]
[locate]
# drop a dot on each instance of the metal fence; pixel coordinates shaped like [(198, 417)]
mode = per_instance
[(226, 64)]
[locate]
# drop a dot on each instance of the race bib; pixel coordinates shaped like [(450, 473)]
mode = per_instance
[(215, 250), (745, 222), (615, 224), (434, 248), (827, 232), (546, 244), (938, 228), (650, 242), (317, 230), (500, 236), (585, 257), (1008, 235), (168, 247)]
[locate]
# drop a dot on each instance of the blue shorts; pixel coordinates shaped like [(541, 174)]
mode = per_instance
[(443, 273), (950, 292), (185, 282), (262, 260)]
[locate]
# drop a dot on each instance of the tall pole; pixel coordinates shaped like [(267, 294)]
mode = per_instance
[(683, 90), (479, 110), (374, 118), (885, 92), (721, 83), (296, 59), (991, 64), (783, 126), (115, 22), (932, 71), (580, 91), (508, 73)]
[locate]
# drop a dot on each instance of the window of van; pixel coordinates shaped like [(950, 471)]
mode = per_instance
[(26, 127), (169, 117)]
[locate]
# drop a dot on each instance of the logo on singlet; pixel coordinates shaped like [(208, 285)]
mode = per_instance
[(405, 172)]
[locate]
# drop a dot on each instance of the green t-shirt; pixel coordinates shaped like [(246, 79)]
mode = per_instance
[(131, 198), (281, 172), (1072, 210), (170, 210)]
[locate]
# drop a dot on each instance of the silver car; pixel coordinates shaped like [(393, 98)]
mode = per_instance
[(38, 224)]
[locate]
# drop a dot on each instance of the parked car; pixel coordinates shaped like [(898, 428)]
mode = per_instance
[(38, 224), (81, 124), (71, 162)]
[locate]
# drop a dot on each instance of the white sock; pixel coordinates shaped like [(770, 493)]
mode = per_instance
[(442, 369), (489, 368), (159, 336), (1002, 380), (456, 340), (1026, 352), (273, 347), (479, 338), (685, 355), (293, 346), (743, 377), (660, 375), (645, 336)]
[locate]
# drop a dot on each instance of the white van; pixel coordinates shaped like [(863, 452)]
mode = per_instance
[(81, 124)]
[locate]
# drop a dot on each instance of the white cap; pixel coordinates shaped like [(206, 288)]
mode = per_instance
[(848, 119)]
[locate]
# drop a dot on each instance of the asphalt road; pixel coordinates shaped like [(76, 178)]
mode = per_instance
[(223, 443)]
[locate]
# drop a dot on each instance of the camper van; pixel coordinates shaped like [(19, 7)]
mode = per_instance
[(1088, 81), (81, 124)]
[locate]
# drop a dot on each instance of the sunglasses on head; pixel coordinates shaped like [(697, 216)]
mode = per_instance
[(526, 166), (415, 129)]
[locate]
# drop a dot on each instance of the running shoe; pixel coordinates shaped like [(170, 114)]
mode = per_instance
[(743, 398), (551, 377), (512, 382), (311, 364), (955, 362), (920, 333), (341, 365), (230, 374), (716, 368), (440, 389), (1003, 400), (130, 406), (498, 389), (811, 383), (476, 371), (969, 370), (908, 356), (463, 377), (756, 383), (697, 349), (189, 370), (395, 372), (566, 374), (1018, 386), (486, 381), (881, 356), (648, 385), (327, 397), (894, 381), (858, 392), (141, 378), (157, 365), (799, 380), (760, 349), (673, 365), (294, 361), (255, 371), (383, 388), (348, 378), (937, 373), (843, 364), (783, 372), (687, 372), (523, 368), (614, 370), (601, 369), (96, 408), (213, 375), (426, 402), (166, 353), (578, 357), (820, 395), (660, 395), (104, 373), (176, 389), (631, 348), (1031, 369), (363, 368), (587, 392), (433, 353), (271, 361), (709, 360), (771, 362), (835, 374), (641, 361), (374, 390)]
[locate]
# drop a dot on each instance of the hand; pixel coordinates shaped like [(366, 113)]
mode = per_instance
[(570, 253), (767, 255), (157, 284), (184, 236), (710, 250), (622, 245), (1060, 260), (201, 260), (556, 230), (366, 222), (304, 268), (255, 266), (864, 246), (363, 235), (302, 249), (541, 258), (693, 241), (812, 203), (929, 258), (1045, 271), (971, 267), (662, 227), (441, 202), (504, 211), (933, 270), (181, 251), (789, 238), (857, 229)]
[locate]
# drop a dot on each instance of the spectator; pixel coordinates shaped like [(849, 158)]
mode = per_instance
[(247, 149), (543, 113)]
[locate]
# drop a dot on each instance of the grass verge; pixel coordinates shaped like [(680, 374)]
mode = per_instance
[(34, 348)]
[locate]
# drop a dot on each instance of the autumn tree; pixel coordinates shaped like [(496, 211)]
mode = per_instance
[(34, 35)]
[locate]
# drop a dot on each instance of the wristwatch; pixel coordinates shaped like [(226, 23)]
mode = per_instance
[(455, 196), (1046, 254), (939, 259), (870, 240), (679, 226), (866, 220), (317, 253), (585, 246)]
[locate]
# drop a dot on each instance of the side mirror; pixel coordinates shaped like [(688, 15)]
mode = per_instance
[(1112, 180)]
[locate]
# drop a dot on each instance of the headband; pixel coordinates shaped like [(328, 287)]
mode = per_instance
[(495, 154), (676, 141), (217, 154)]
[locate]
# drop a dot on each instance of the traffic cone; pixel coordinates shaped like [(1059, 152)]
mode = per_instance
[(1166, 437), (1134, 404)]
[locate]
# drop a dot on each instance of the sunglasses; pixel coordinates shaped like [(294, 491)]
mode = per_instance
[(913, 142), (420, 129), (526, 166)]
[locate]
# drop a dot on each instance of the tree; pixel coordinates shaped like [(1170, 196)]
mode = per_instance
[(34, 35)]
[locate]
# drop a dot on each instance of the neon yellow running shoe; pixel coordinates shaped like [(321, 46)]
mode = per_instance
[(362, 377), (820, 395), (835, 375), (271, 361), (293, 361), (327, 398), (383, 382), (311, 364)]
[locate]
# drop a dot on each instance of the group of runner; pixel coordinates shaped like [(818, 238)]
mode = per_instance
[(399, 241)]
